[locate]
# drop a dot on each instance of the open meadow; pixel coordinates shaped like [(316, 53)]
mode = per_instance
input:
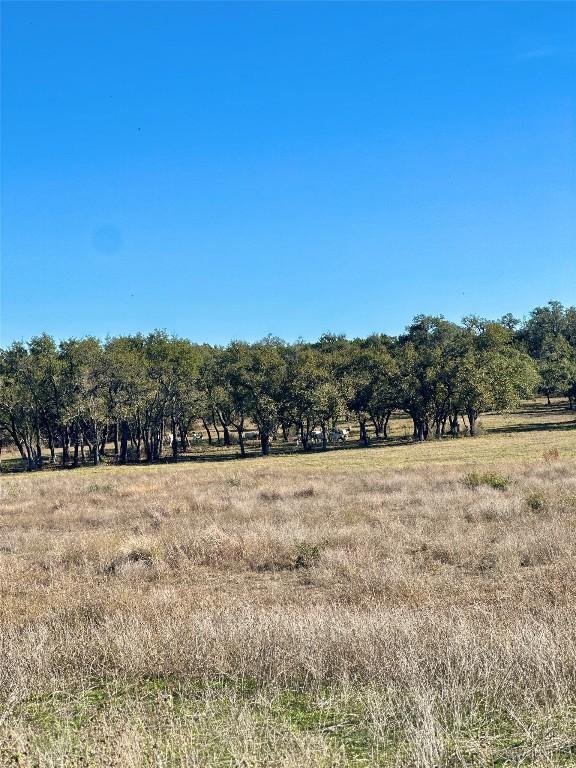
[(399, 605)]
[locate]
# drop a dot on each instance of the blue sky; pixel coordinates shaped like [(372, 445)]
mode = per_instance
[(231, 170)]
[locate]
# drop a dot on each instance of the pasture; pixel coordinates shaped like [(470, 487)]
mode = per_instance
[(399, 605)]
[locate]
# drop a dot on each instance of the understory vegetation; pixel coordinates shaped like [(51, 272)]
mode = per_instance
[(292, 612)]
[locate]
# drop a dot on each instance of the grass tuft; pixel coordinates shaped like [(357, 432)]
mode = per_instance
[(491, 479)]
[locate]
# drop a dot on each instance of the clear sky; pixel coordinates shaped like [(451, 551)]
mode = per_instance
[(231, 170)]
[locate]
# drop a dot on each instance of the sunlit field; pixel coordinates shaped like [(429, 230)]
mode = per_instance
[(398, 605)]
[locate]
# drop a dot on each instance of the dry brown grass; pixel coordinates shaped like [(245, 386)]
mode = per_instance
[(259, 615)]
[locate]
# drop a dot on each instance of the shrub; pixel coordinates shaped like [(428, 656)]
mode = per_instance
[(304, 555), (442, 555), (553, 454), (99, 488), (487, 562), (142, 555), (476, 479), (538, 554), (270, 495), (536, 501), (307, 555), (304, 493)]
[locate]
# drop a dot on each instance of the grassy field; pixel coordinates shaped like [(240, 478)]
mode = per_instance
[(401, 605)]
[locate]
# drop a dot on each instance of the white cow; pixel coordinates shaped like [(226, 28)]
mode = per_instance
[(339, 435), (315, 436)]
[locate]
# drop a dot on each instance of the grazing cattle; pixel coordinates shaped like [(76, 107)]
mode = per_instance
[(334, 436), (251, 435), (338, 435), (314, 436), (196, 437)]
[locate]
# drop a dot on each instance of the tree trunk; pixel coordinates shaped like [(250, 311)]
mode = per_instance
[(96, 447), (240, 430), (16, 439), (385, 425), (115, 439), (65, 447), (157, 438), (76, 447), (226, 434), (123, 458), (148, 443), (159, 441), (104, 440), (174, 440), (51, 445), (265, 442), (38, 447), (216, 427), (454, 425), (139, 438), (419, 430), (29, 457), (207, 428)]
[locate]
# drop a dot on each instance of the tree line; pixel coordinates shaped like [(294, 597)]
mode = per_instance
[(143, 394)]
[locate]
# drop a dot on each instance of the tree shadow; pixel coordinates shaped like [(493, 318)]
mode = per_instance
[(18, 465), (221, 454), (545, 426), (541, 409)]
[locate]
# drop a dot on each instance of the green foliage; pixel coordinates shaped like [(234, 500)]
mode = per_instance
[(369, 378), (536, 501), (491, 479), (557, 366), (147, 392)]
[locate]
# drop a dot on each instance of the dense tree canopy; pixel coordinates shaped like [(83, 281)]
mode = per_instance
[(144, 394)]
